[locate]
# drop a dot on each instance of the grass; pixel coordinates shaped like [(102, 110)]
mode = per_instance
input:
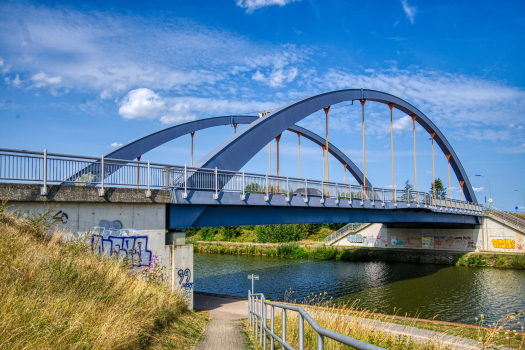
[(294, 250), (366, 326), (59, 295)]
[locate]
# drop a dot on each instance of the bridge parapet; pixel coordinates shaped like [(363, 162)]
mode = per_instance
[(44, 168)]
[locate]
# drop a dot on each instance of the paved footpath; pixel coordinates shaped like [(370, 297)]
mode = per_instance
[(224, 329)]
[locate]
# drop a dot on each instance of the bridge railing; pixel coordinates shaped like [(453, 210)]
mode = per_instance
[(43, 167)]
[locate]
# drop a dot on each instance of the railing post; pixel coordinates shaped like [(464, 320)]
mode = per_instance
[(284, 326), (267, 197), (263, 330), (43, 190), (336, 193), (257, 317), (301, 332), (320, 342), (102, 190), (243, 195), (148, 191), (185, 194), (373, 196), (383, 195), (272, 344), (216, 195), (305, 190), (287, 199), (322, 192)]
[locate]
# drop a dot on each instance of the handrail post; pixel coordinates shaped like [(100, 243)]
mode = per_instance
[(272, 314), (305, 190), (336, 193), (43, 190), (102, 190), (243, 195), (320, 342), (263, 330), (284, 326), (373, 196), (287, 199), (267, 197), (216, 195), (185, 194), (301, 332), (322, 192), (148, 191)]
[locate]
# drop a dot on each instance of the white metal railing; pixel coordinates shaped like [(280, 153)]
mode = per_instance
[(351, 227), (506, 218), (258, 320), (44, 167)]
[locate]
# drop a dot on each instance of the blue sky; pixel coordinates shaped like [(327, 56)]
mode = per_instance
[(83, 78)]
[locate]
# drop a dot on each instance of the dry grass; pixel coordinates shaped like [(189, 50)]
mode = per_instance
[(372, 328), (56, 295)]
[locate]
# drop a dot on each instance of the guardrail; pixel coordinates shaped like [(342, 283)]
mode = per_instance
[(353, 226), (43, 167), (258, 320), (506, 218)]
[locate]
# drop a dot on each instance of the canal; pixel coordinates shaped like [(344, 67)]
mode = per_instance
[(455, 294)]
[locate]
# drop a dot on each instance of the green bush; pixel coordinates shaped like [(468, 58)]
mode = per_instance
[(190, 231), (278, 233), (518, 261)]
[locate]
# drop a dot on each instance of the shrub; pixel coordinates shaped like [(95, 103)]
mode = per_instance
[(278, 233)]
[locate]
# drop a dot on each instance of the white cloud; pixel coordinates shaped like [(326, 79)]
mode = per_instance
[(403, 123), (141, 104), (252, 5), (83, 51), (41, 79), (116, 144), (410, 11), (478, 189), (144, 103), (277, 78), (513, 150)]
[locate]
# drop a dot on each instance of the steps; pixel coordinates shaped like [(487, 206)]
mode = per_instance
[(505, 218), (352, 227)]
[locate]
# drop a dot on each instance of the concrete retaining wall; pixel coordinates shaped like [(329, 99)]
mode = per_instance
[(491, 236), (182, 271)]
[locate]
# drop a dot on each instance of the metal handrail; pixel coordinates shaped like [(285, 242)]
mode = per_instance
[(257, 318), (343, 231), (44, 167), (507, 218)]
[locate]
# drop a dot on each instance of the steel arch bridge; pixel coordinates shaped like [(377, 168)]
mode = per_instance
[(197, 208)]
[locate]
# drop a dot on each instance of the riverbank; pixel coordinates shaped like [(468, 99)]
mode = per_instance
[(322, 252)]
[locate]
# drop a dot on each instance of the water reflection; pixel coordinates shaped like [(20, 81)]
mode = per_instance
[(456, 294)]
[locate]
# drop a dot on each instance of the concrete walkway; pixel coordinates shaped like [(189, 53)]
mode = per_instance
[(224, 329)]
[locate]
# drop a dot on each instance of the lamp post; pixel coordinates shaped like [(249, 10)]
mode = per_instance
[(523, 196), (490, 188)]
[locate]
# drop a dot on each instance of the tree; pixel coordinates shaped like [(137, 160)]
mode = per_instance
[(408, 188), (441, 191)]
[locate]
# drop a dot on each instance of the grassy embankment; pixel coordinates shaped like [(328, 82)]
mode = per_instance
[(57, 295), (294, 250)]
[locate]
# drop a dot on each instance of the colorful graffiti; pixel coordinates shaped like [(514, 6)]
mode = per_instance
[(504, 244), (124, 244), (356, 239), (394, 241), (520, 245)]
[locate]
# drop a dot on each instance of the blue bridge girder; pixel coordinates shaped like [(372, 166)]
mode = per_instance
[(140, 146), (238, 149), (199, 209)]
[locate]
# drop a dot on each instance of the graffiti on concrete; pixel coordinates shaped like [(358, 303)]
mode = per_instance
[(427, 240), (181, 273), (356, 238), (115, 224), (504, 244), (124, 244), (411, 241), (395, 241), (61, 216), (520, 245)]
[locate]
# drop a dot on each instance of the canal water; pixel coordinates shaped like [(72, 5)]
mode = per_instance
[(455, 294)]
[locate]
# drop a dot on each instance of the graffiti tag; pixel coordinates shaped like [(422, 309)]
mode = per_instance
[(504, 244)]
